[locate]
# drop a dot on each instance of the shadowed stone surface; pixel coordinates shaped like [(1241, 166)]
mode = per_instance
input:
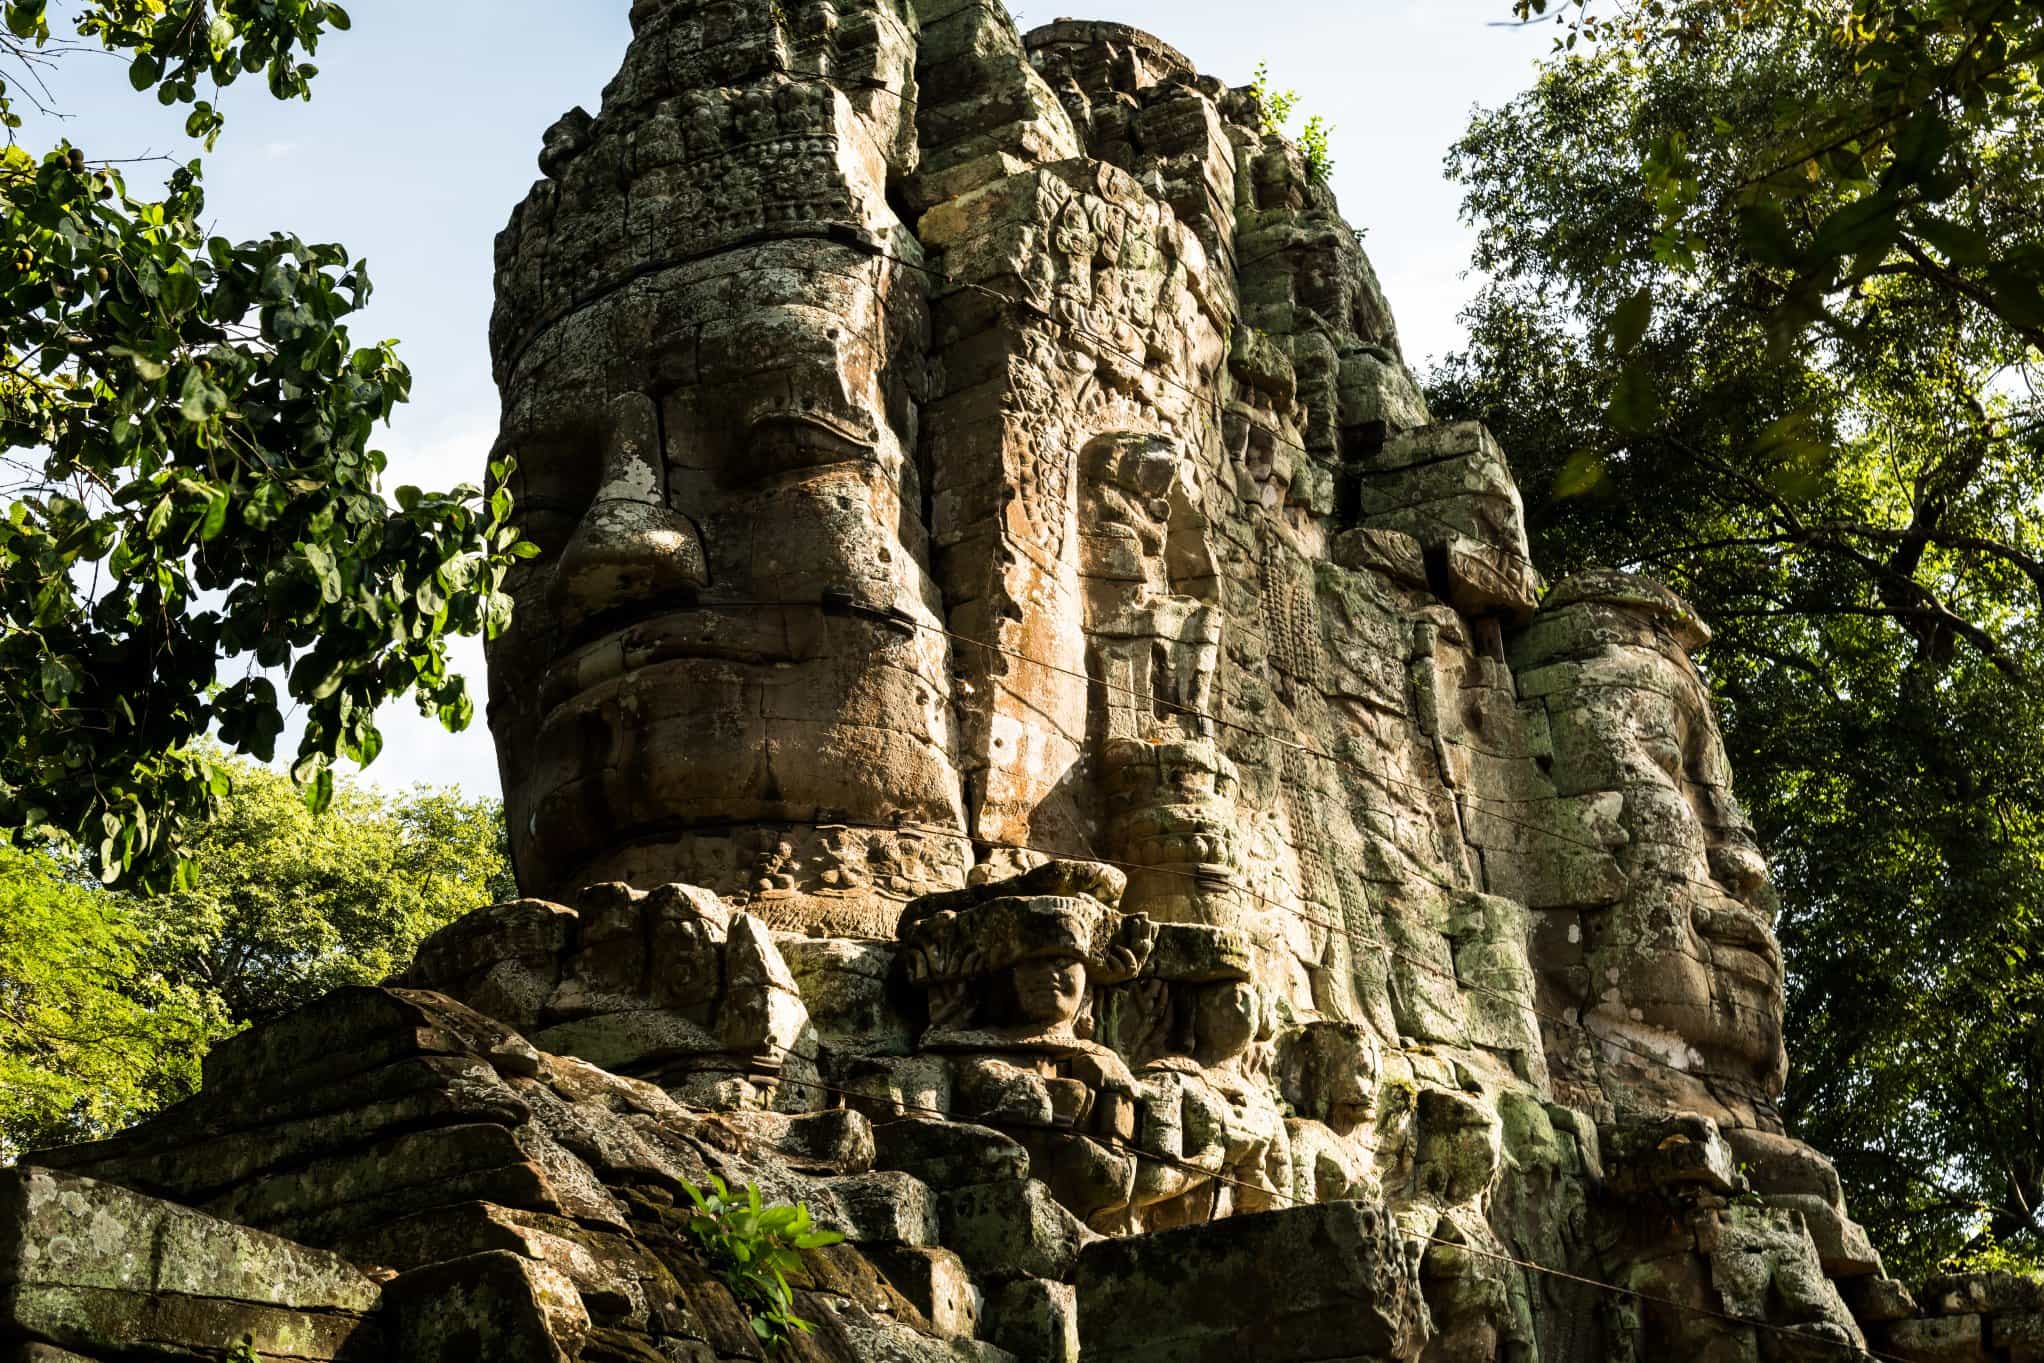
[(1179, 1295)]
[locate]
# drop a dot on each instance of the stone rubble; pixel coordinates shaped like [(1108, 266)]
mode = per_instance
[(1025, 738)]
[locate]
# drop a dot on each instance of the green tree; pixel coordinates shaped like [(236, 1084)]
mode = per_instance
[(288, 905), (195, 500), (1868, 168), (109, 1001), (1852, 498), (91, 1035)]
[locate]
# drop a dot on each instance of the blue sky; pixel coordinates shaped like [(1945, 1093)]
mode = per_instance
[(427, 117)]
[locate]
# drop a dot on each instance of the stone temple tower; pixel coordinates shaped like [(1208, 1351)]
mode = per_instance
[(1025, 737)]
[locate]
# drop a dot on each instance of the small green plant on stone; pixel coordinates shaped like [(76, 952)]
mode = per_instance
[(1315, 139), (1746, 1196), (244, 1352), (1277, 105), (752, 1249)]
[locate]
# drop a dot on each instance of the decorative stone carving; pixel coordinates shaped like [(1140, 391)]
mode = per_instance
[(1680, 966), (668, 986)]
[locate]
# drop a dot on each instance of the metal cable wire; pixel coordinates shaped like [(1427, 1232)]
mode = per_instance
[(1354, 936), (899, 618)]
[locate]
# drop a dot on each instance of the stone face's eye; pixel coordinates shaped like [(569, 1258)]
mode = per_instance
[(789, 442), (548, 521), (553, 487)]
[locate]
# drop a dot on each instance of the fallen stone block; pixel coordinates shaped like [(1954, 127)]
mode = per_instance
[(87, 1265), (1842, 1245), (1986, 1294), (493, 1308), (1011, 1230), (1875, 1301), (1036, 1320), (1937, 1339), (950, 1154), (31, 1352), (885, 1208), (2020, 1336), (1296, 1286), (935, 1282)]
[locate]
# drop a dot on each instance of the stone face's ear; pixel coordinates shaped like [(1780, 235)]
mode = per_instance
[(565, 141), (631, 548)]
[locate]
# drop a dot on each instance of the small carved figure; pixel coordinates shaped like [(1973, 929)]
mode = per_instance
[(1329, 1073)]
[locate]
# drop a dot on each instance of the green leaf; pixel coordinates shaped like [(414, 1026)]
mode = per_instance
[(1861, 226), (200, 401), (1583, 473), (1630, 322), (1764, 233), (1925, 140), (1965, 247), (2016, 293), (1635, 405), (215, 519)]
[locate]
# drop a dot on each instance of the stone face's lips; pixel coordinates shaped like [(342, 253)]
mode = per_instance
[(1739, 930), (757, 636)]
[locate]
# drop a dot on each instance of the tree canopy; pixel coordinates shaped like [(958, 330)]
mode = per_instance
[(1825, 434), (90, 1036), (196, 505), (109, 1001)]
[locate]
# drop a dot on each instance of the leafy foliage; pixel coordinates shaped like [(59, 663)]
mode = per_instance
[(1890, 158), (1852, 499), (1990, 1257), (91, 1034), (753, 1248), (175, 45), (188, 427), (1316, 138), (108, 1002), (288, 905)]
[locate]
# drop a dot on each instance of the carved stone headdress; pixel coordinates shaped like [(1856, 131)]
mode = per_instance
[(949, 952)]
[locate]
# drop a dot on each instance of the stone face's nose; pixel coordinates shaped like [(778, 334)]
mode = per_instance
[(631, 548)]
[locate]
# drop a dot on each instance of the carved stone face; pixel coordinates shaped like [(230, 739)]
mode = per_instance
[(1050, 989), (1329, 1073), (699, 705), (1172, 821), (1684, 964), (1225, 1021), (1691, 949), (919, 497)]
